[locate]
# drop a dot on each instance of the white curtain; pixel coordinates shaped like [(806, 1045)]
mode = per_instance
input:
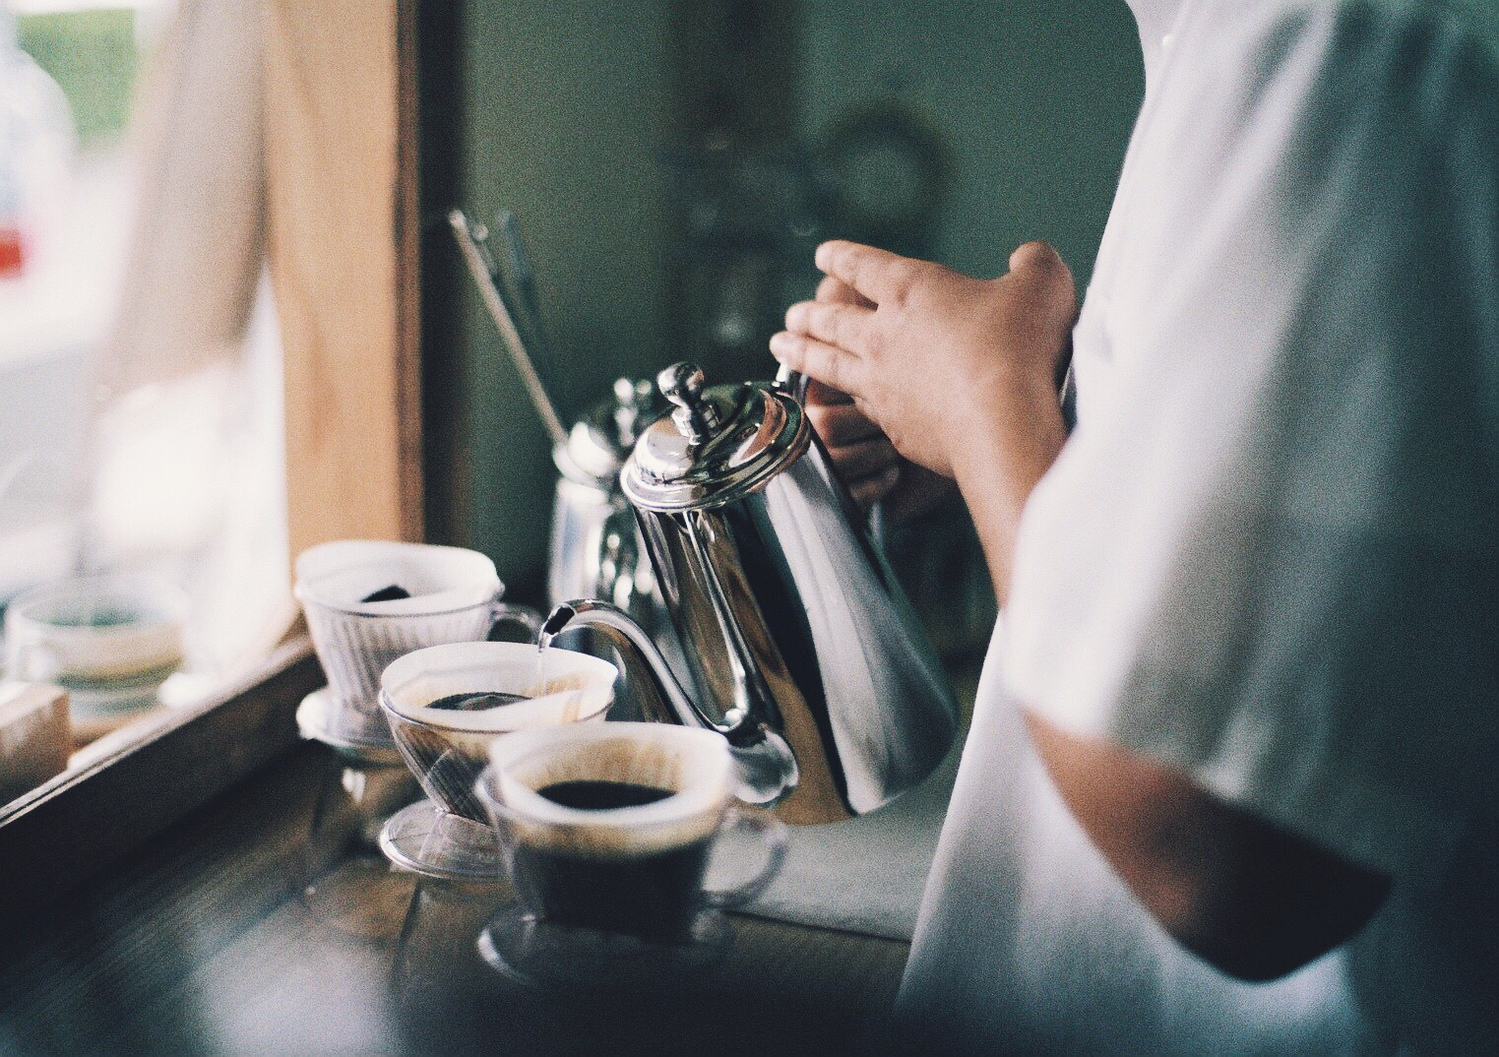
[(186, 473)]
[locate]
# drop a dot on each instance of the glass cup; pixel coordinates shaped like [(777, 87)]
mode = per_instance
[(610, 828), (454, 596), (111, 641), (445, 706)]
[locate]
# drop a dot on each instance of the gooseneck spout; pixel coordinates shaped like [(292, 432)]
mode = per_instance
[(767, 766), (645, 667)]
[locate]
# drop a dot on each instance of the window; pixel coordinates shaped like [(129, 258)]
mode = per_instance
[(339, 83), (140, 372), (69, 78)]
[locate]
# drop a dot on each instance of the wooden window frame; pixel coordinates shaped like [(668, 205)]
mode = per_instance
[(344, 248)]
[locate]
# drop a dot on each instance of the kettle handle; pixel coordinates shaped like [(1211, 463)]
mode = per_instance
[(794, 383)]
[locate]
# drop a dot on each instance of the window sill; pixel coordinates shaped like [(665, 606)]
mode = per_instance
[(60, 833)]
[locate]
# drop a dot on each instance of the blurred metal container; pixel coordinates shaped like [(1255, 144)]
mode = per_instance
[(596, 549)]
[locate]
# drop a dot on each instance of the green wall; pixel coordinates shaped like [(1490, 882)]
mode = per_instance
[(567, 114), (565, 105), (92, 56), (1033, 100)]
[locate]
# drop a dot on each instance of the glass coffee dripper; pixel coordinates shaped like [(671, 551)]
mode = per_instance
[(368, 602), (446, 705)]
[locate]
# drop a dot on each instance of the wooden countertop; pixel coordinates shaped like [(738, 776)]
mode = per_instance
[(208, 939)]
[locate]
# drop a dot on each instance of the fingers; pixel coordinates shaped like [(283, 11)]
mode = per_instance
[(820, 396), (1037, 264), (863, 458), (835, 291), (833, 366), (846, 326), (878, 275), (871, 490), (1036, 255), (841, 424)]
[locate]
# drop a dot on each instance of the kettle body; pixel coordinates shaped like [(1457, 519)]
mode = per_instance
[(796, 641)]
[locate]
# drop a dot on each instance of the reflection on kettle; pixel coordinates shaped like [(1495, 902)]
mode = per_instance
[(796, 642), (596, 549)]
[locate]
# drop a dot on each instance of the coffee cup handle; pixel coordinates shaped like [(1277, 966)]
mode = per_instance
[(772, 833), (525, 616)]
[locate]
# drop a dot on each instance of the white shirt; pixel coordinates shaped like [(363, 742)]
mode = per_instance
[(1269, 555)]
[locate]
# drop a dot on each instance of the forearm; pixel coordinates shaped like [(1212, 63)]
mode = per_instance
[(959, 373), (997, 472), (1252, 899)]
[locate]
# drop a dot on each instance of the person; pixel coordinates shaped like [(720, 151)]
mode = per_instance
[(1231, 782)]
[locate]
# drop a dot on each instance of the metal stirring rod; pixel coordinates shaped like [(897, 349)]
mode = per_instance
[(479, 262), (524, 277)]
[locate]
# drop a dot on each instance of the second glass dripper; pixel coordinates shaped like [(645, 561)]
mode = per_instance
[(446, 705)]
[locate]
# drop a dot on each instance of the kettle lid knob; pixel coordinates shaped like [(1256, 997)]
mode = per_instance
[(718, 445), (682, 384)]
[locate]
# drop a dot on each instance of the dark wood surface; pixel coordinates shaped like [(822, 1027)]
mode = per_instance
[(153, 775), (261, 924)]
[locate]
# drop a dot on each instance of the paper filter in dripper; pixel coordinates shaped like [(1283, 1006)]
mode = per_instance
[(369, 602), (385, 578), (446, 704)]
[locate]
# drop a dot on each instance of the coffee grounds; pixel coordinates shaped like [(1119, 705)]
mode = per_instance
[(602, 796), (393, 593), (477, 701)]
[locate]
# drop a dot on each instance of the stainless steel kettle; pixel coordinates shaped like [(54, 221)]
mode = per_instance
[(796, 641)]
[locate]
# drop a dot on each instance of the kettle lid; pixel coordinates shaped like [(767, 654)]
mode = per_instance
[(719, 445)]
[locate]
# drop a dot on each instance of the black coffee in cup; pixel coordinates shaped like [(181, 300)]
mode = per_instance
[(599, 872), (611, 826), (602, 796), (654, 895)]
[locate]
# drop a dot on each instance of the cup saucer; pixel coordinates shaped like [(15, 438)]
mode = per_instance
[(352, 734), (426, 840), (540, 954)]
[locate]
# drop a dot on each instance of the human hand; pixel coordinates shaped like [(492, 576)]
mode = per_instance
[(866, 460), (944, 364), (958, 373), (861, 453)]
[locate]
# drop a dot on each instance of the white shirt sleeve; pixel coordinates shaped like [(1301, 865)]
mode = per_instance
[(1268, 556)]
